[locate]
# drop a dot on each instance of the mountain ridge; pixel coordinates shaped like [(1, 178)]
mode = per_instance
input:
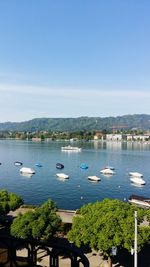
[(140, 121)]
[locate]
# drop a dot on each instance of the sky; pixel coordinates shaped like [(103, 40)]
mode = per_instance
[(62, 58)]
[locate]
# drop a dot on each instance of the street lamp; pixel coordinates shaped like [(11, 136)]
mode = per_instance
[(134, 250), (135, 239)]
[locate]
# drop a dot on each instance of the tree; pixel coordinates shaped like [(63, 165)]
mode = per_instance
[(106, 224), (148, 215), (42, 223), (9, 201)]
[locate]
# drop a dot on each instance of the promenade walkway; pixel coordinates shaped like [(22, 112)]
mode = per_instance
[(65, 215)]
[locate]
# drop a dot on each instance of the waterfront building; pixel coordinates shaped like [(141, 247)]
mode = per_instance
[(114, 137)]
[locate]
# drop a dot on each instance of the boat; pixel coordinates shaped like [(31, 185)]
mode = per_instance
[(38, 165), (137, 180), (140, 200), (27, 170), (71, 148), (94, 178), (84, 166), (109, 167), (18, 163), (107, 171), (62, 175), (59, 166), (136, 174)]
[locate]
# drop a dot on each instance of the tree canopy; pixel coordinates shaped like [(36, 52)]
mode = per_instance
[(42, 223), (9, 201), (109, 223)]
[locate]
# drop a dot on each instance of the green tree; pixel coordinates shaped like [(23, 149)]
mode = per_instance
[(42, 223), (105, 224), (9, 201), (15, 201)]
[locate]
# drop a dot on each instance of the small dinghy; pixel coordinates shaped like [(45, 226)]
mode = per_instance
[(18, 163), (84, 166), (107, 171), (137, 180), (27, 170), (59, 166), (62, 175), (136, 174), (38, 165), (94, 178)]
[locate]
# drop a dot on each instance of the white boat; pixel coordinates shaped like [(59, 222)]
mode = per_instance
[(27, 170), (71, 148), (17, 163), (136, 174), (137, 180), (107, 171), (109, 167), (139, 200), (62, 175), (94, 178)]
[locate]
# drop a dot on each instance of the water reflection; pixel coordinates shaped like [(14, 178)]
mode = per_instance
[(114, 145), (61, 179), (27, 175), (137, 185)]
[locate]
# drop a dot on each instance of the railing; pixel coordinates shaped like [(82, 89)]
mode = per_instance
[(26, 253)]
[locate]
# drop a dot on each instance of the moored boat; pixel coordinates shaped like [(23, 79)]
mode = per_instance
[(62, 175), (109, 167), (140, 200), (27, 170), (94, 178), (18, 163), (136, 174), (107, 171), (38, 165), (59, 166), (137, 180), (83, 166), (71, 148)]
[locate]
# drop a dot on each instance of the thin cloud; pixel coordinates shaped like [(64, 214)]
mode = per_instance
[(72, 92), (24, 102)]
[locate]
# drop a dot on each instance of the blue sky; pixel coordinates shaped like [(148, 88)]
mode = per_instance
[(74, 58)]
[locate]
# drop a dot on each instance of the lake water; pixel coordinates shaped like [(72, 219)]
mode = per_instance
[(77, 190)]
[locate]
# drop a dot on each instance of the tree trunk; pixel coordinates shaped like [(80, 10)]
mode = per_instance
[(109, 262)]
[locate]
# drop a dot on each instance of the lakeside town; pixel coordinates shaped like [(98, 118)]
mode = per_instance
[(74, 133), (38, 136)]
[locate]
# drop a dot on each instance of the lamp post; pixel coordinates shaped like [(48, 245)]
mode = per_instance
[(135, 239)]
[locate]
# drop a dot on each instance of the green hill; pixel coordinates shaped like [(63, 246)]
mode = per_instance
[(140, 121)]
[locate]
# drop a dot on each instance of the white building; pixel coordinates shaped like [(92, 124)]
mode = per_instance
[(114, 137), (144, 137)]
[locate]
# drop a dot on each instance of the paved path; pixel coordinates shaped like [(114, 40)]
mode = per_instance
[(65, 215)]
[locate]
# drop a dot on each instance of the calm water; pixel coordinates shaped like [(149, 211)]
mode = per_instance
[(77, 190)]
